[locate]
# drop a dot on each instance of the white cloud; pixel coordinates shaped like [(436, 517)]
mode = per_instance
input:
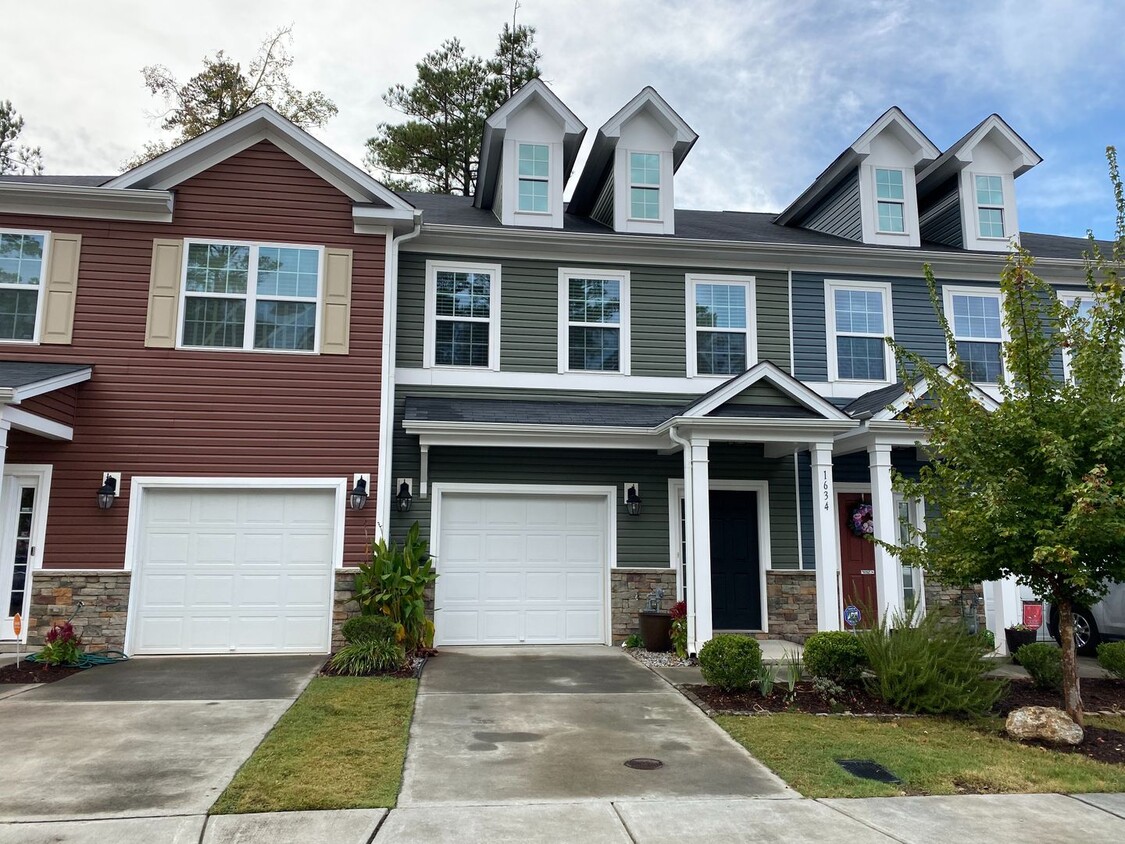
[(775, 89)]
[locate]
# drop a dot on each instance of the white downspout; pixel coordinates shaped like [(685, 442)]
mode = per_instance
[(387, 382), (689, 535)]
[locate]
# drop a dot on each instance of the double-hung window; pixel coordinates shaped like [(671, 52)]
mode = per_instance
[(890, 199), (23, 257), (720, 322), (644, 185), (859, 321), (462, 315), (990, 205), (252, 296), (593, 321), (1085, 303), (978, 331), (534, 178)]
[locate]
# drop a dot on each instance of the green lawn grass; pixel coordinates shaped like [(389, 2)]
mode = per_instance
[(340, 746), (929, 755)]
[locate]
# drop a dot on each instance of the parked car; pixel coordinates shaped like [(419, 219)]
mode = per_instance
[(1104, 620)]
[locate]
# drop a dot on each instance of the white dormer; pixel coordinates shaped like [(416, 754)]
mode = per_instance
[(627, 182), (527, 152), (869, 193), (978, 173)]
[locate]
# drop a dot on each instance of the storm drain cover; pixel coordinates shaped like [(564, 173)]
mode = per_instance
[(868, 770), (642, 764)]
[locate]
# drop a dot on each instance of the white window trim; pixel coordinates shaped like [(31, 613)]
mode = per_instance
[(659, 188), (430, 332), (43, 276), (1002, 207), (251, 296), (545, 180), (692, 280), (947, 294), (901, 203), (624, 348), (918, 510), (883, 287)]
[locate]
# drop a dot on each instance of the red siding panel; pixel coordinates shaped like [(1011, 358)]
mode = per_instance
[(172, 412), (58, 405)]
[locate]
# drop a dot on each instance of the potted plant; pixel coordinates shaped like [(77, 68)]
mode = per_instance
[(1017, 636), (656, 624)]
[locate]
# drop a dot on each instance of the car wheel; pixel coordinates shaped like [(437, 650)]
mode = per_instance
[(1086, 635)]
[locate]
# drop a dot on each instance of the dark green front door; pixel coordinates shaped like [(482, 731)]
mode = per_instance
[(736, 588)]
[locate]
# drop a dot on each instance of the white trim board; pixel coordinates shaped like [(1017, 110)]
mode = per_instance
[(750, 332), (429, 331)]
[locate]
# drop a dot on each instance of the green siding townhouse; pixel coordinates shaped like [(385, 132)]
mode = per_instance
[(598, 399)]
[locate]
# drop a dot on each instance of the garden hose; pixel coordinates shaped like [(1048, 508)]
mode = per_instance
[(87, 660)]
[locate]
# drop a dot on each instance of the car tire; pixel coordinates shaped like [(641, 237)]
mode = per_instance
[(1086, 632)]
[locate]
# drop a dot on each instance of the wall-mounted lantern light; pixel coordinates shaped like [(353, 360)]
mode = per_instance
[(108, 490), (358, 496), (632, 500), (404, 499)]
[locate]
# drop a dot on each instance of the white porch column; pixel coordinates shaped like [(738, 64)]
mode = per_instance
[(825, 538), (888, 571), (700, 543), (1006, 609)]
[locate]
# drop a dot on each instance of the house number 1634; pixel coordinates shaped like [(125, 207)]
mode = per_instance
[(824, 487)]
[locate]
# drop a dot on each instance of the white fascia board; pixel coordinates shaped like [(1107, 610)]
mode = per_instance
[(921, 387), (547, 244), (37, 388), (536, 89), (371, 219), (895, 434), (649, 99), (33, 423), (149, 206), (507, 434), (258, 124), (768, 371), (924, 150)]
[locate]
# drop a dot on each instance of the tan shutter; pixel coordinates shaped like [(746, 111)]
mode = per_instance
[(337, 319), (164, 293), (61, 288)]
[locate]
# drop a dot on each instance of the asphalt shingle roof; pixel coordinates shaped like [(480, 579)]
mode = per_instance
[(874, 401), (18, 373)]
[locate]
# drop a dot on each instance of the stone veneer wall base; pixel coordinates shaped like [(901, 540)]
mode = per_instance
[(100, 623), (629, 591), (791, 604)]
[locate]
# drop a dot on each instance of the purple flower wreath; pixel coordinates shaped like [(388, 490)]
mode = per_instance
[(860, 520)]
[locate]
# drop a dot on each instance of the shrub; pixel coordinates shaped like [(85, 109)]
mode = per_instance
[(1043, 662), (730, 662), (935, 667), (1111, 657), (839, 656), (987, 638), (368, 628), (369, 657), (63, 647), (679, 628), (765, 680), (393, 582), (634, 641)]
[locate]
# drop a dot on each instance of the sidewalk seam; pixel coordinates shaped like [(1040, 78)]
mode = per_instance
[(624, 823), (1077, 798), (379, 825), (862, 822)]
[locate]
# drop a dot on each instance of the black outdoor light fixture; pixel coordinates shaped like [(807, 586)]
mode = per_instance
[(107, 492), (404, 499), (359, 494), (633, 501)]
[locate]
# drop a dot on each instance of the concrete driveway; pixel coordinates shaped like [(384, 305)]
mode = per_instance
[(545, 725), (153, 736)]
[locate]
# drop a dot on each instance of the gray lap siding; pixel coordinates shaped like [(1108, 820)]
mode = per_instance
[(529, 313)]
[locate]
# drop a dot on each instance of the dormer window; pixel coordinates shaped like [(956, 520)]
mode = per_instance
[(891, 198), (534, 178), (990, 206), (644, 185)]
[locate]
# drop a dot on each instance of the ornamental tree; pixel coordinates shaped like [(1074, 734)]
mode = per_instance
[(1034, 489)]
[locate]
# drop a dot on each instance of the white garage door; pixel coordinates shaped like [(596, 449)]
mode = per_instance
[(234, 571), (521, 569)]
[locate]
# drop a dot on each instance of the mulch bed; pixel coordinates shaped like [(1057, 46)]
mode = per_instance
[(807, 699), (413, 669), (30, 673), (1097, 696), (1100, 744)]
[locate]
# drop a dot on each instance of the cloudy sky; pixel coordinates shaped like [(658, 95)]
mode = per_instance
[(775, 88)]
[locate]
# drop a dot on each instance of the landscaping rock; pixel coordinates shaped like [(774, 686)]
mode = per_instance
[(1045, 723)]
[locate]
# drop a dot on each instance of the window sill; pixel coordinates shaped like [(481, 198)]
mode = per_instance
[(592, 372), (244, 350), (21, 342)]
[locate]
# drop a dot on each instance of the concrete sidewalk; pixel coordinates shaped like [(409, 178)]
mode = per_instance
[(1088, 818)]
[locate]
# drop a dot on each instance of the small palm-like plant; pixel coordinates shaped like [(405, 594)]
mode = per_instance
[(393, 582)]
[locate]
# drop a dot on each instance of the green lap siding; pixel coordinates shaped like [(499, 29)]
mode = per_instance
[(529, 313)]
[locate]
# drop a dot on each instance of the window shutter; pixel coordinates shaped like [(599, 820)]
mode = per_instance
[(336, 322), (164, 293), (61, 288)]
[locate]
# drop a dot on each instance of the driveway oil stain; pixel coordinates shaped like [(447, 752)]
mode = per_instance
[(490, 738)]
